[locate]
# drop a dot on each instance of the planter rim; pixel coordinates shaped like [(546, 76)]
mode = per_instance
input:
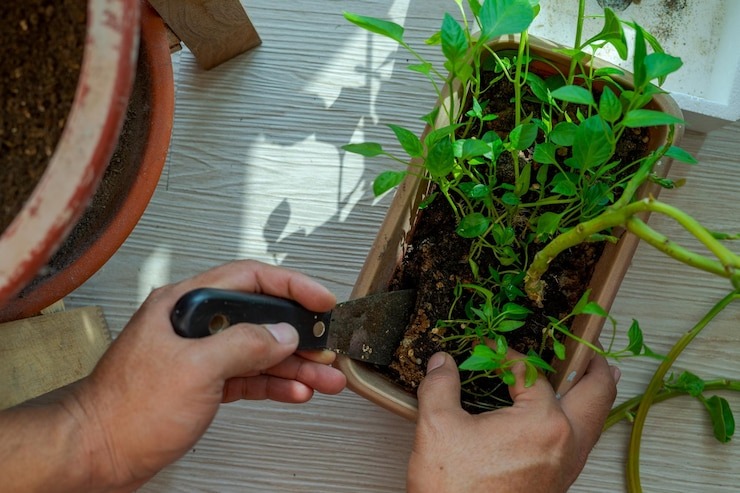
[(84, 148), (387, 249), (160, 88)]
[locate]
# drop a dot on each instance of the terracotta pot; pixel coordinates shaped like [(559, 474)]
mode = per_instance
[(387, 251), (139, 155)]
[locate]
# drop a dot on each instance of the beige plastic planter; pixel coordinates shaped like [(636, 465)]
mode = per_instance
[(387, 251)]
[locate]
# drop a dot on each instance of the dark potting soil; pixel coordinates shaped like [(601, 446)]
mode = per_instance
[(42, 44), (122, 170), (436, 261)]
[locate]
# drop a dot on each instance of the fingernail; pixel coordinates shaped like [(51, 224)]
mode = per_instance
[(437, 360), (283, 333), (616, 373)]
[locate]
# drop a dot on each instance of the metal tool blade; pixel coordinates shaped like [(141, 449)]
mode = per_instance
[(370, 329)]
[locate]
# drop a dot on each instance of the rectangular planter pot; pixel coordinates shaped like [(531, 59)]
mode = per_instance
[(387, 251)]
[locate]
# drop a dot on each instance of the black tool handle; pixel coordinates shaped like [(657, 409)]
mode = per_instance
[(204, 311)]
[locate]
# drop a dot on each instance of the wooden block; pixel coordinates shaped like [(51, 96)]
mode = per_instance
[(41, 354), (173, 40), (214, 30)]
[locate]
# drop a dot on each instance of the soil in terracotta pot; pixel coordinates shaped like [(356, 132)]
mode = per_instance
[(42, 44), (122, 170), (436, 261)]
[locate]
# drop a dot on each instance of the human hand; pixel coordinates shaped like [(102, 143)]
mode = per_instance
[(153, 394), (540, 444)]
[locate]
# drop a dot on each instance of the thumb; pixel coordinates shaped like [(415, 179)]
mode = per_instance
[(440, 389), (523, 394), (247, 349)]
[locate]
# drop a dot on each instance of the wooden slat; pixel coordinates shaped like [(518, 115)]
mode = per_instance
[(214, 30), (41, 354)]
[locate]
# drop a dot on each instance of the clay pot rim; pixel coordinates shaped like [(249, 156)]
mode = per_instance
[(85, 146), (153, 157)]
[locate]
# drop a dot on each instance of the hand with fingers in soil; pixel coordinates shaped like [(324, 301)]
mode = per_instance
[(539, 444), (154, 394)]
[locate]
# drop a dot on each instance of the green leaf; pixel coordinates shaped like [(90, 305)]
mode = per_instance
[(515, 311), (680, 155), (473, 225), (544, 153), (610, 108), (666, 183), (530, 375), (510, 198), (482, 358), (564, 133), (648, 118), (474, 190), (659, 65), (477, 110), (522, 137), (652, 354), (547, 224), (725, 236), (593, 308), (367, 149), (377, 26), (471, 148), (387, 180), (422, 68), (441, 133), (538, 86), (440, 159), (503, 236), (687, 382), (431, 117), (582, 301), (542, 174), (593, 143), (508, 325), (639, 72), (559, 349), (454, 41), (474, 7), (574, 94), (598, 195), (537, 361), (428, 200), (636, 341), (408, 140), (508, 377), (500, 17), (611, 33), (608, 72), (562, 184), (723, 422)]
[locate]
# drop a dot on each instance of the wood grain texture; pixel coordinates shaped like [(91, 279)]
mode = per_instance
[(256, 170), (41, 354), (214, 30)]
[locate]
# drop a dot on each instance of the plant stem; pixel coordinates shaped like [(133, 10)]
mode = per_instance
[(577, 42), (729, 260), (518, 83), (673, 249), (728, 264), (627, 409), (633, 457)]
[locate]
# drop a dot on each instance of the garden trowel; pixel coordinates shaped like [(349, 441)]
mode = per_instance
[(367, 329)]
